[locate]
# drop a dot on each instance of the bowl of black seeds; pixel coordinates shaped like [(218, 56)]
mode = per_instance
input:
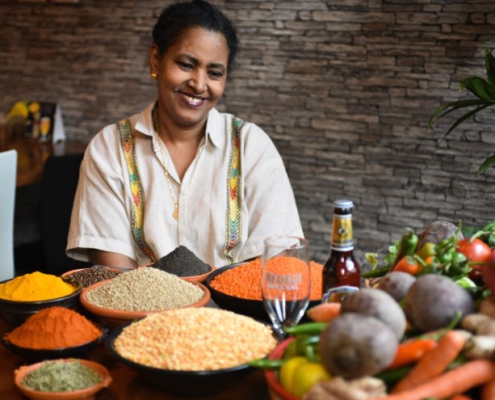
[(183, 263), (89, 276)]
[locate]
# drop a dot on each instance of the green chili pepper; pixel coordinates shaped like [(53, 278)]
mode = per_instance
[(376, 273), (407, 246), (393, 375), (266, 363), (310, 328)]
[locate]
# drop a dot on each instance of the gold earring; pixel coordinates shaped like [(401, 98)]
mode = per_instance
[(154, 76)]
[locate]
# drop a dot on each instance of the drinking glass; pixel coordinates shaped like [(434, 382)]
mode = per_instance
[(285, 280)]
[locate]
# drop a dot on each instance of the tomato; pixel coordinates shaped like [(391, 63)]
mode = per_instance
[(475, 250), (409, 265), (489, 273)]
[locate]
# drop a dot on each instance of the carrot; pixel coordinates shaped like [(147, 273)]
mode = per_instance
[(488, 391), (434, 362), (461, 397), (324, 312), (411, 351), (458, 380)]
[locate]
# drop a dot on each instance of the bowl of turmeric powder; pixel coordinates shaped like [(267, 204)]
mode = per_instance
[(27, 294), (237, 288)]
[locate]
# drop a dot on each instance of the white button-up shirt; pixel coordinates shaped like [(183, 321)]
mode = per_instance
[(102, 211)]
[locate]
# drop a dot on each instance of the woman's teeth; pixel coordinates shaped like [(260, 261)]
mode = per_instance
[(192, 100)]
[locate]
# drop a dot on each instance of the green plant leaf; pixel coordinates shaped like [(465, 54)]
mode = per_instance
[(462, 119), (449, 107), (486, 164), (490, 67), (479, 87)]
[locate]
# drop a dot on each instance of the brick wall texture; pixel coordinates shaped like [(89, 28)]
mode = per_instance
[(344, 87)]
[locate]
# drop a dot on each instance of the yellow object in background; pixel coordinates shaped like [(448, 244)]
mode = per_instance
[(19, 109)]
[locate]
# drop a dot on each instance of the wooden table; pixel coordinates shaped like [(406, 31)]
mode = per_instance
[(126, 384), (32, 154)]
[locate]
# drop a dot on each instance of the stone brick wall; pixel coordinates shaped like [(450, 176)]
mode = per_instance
[(344, 87)]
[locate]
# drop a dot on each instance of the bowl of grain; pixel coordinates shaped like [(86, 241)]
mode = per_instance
[(141, 292), (55, 379), (190, 351), (237, 288), (183, 263)]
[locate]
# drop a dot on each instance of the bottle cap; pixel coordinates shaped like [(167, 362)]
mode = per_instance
[(343, 203)]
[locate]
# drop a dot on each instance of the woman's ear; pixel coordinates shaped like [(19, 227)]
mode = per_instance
[(153, 60)]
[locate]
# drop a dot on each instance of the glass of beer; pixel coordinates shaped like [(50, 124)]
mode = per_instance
[(285, 280)]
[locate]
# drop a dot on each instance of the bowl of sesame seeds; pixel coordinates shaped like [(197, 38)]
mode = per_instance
[(192, 351), (140, 292)]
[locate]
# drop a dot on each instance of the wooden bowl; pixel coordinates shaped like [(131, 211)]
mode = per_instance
[(87, 393), (198, 278), (114, 318)]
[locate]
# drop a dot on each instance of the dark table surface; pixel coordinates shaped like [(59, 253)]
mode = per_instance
[(126, 383)]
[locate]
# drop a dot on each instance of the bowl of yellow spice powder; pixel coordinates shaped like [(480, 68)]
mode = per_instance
[(25, 295)]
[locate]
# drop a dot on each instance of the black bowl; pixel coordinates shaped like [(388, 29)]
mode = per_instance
[(15, 313), (36, 355), (251, 308), (182, 383)]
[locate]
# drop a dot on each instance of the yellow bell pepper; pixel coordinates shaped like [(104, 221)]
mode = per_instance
[(306, 375)]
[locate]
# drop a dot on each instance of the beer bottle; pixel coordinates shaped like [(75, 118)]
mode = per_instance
[(341, 273)]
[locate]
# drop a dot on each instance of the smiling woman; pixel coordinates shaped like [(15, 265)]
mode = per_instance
[(180, 173)]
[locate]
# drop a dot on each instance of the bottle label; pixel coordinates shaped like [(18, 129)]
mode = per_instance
[(337, 294), (342, 233)]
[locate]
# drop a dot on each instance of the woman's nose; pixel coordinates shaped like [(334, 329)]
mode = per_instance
[(198, 82)]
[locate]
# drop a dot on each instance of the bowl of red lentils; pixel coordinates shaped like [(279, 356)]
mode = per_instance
[(192, 351), (138, 293), (237, 288)]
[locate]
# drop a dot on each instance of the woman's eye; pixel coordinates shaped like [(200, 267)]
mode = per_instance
[(185, 65), (216, 74)]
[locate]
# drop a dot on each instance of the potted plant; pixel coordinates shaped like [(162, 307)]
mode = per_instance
[(484, 90)]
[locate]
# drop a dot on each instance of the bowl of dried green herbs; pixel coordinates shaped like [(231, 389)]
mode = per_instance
[(62, 379)]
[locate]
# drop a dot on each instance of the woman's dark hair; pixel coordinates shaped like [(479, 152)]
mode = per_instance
[(178, 18)]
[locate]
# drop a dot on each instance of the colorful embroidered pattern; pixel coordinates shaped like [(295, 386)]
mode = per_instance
[(234, 221), (127, 139)]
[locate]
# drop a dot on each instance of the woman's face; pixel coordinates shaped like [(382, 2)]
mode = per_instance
[(191, 76)]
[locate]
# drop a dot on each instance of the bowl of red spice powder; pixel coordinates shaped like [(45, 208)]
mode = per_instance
[(55, 332), (237, 288)]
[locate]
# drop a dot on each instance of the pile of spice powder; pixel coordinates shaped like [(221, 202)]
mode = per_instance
[(244, 281), (195, 339), (89, 276), (145, 289), (61, 376), (54, 328), (182, 262), (35, 287)]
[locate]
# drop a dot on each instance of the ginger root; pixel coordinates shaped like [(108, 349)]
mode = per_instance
[(340, 389), (480, 324)]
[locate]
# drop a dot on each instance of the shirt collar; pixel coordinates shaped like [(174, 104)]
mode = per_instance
[(214, 126)]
